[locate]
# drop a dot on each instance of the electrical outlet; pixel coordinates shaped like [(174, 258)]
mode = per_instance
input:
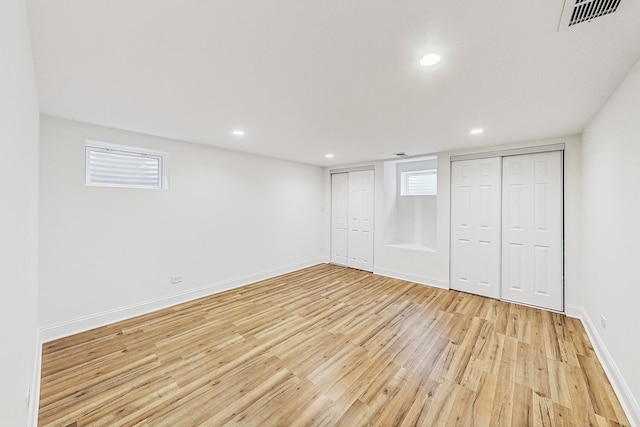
[(603, 322), (176, 279)]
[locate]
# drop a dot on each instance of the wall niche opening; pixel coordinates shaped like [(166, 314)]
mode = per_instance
[(410, 194)]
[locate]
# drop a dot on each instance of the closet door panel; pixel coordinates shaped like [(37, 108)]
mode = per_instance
[(360, 240), (532, 248), (475, 226), (339, 217)]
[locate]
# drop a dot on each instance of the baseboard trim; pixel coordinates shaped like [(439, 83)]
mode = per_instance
[(64, 329), (423, 280), (34, 391), (620, 386)]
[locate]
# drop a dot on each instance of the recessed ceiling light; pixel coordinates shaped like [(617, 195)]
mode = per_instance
[(238, 132), (430, 59), (329, 156), (476, 131)]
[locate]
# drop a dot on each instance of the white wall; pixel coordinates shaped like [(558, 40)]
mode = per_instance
[(572, 204), (422, 266), (413, 220), (432, 267), (227, 218), (18, 214), (611, 181)]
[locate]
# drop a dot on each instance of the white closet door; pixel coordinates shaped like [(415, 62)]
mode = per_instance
[(532, 229), (339, 217), (360, 244), (475, 226)]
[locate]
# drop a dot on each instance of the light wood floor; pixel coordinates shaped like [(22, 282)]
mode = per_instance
[(330, 346)]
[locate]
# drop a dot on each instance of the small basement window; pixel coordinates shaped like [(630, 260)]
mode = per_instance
[(111, 165), (419, 183)]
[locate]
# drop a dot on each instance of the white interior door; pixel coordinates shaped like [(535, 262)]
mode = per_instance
[(360, 242), (532, 229), (339, 218), (475, 226)]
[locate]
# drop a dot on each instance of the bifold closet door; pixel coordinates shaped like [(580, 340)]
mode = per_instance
[(352, 219), (475, 226), (360, 243), (532, 212), (339, 217)]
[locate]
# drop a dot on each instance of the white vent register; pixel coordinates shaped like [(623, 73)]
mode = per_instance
[(577, 11), (112, 165)]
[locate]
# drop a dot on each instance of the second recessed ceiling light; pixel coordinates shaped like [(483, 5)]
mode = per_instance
[(430, 59)]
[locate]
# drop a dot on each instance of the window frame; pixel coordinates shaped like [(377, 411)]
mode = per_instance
[(404, 182), (162, 156)]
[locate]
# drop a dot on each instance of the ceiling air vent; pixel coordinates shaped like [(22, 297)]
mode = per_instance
[(577, 11)]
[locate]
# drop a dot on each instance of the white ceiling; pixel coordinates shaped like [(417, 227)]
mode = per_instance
[(307, 77)]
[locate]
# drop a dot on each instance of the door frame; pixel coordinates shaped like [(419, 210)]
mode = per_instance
[(515, 152), (347, 170)]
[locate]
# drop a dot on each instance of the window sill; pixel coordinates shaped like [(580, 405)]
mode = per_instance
[(411, 246)]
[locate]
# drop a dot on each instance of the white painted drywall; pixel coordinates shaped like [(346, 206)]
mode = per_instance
[(226, 216), (572, 204), (611, 212), (422, 266), (412, 220), (18, 214), (432, 267)]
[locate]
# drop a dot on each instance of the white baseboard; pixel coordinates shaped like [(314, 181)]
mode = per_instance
[(575, 311), (423, 280), (620, 386), (64, 329), (34, 391)]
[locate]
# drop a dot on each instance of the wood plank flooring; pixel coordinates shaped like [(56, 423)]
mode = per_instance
[(329, 346)]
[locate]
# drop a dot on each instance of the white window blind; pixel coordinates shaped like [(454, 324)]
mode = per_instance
[(111, 165), (419, 183)]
